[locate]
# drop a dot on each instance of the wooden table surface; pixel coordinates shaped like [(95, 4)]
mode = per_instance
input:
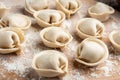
[(14, 67)]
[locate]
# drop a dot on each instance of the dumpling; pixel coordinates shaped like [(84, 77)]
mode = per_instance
[(47, 18), (16, 20), (114, 38), (50, 63), (100, 11), (32, 6), (91, 52), (11, 40), (68, 6), (87, 27), (55, 37), (3, 10)]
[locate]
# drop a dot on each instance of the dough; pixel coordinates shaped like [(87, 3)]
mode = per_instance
[(100, 11), (46, 18), (55, 37), (50, 63), (69, 7), (11, 40), (88, 27), (92, 52)]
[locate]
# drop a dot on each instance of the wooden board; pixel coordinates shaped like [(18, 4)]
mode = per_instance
[(13, 67)]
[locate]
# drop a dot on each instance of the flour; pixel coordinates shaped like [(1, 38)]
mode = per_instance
[(18, 66), (105, 70)]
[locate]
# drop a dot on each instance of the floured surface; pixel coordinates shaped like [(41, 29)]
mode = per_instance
[(15, 67)]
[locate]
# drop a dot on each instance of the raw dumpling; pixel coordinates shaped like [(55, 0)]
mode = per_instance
[(47, 18), (16, 20), (68, 6), (92, 52), (55, 37), (87, 27), (114, 38), (11, 40), (3, 10), (100, 11), (32, 6), (50, 63)]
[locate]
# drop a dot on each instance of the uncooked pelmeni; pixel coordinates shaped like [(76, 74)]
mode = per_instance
[(68, 6), (32, 6), (49, 17), (114, 38), (50, 63), (88, 27), (16, 20), (100, 11), (10, 40), (92, 52), (55, 37)]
